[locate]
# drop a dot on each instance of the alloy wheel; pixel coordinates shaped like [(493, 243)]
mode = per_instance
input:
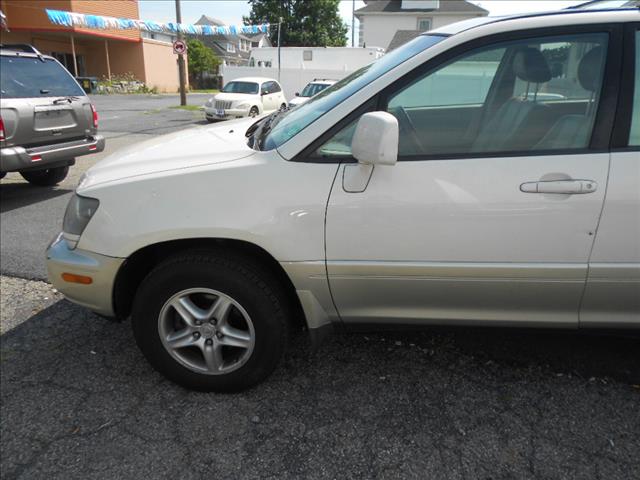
[(206, 331)]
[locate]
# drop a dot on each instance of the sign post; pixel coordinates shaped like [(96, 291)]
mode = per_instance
[(181, 51)]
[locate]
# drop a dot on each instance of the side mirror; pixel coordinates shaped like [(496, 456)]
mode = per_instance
[(297, 94), (375, 141)]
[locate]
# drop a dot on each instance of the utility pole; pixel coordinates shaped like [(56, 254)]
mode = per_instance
[(353, 23), (181, 69), (279, 25)]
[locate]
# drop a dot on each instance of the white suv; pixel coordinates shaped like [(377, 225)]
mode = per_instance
[(311, 89), (483, 174), (245, 97)]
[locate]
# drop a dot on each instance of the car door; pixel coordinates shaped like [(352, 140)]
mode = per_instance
[(612, 294), (490, 213), (268, 98), (278, 96)]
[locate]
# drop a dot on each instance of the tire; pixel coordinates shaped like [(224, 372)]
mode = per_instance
[(254, 112), (200, 278), (47, 177), (283, 107), (2, 175)]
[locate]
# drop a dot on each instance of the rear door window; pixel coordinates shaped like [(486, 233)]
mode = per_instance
[(28, 77)]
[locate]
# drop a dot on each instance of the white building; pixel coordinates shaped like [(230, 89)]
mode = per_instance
[(332, 58), (380, 20), (301, 65)]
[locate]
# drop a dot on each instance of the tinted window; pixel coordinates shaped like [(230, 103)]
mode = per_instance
[(241, 87), (293, 121), (24, 77), (275, 87), (634, 136)]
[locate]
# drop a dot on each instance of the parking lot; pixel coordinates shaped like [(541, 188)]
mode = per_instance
[(78, 400)]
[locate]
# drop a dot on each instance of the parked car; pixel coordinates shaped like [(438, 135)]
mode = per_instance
[(426, 188), (46, 119), (245, 97), (311, 89)]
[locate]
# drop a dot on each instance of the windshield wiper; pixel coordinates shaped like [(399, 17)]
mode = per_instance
[(68, 99)]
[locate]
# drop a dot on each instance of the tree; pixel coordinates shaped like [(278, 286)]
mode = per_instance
[(201, 59), (305, 23)]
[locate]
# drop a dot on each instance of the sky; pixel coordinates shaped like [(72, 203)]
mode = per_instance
[(231, 11)]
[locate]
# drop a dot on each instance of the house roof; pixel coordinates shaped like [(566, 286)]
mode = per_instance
[(395, 6), (401, 37), (207, 20)]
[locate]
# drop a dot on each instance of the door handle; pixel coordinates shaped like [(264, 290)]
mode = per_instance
[(566, 187)]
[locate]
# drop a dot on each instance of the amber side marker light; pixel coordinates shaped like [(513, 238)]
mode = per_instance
[(73, 278)]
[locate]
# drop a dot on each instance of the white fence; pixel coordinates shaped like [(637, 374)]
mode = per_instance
[(292, 79)]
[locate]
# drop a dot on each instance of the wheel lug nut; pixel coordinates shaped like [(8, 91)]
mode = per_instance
[(198, 322), (219, 335), (196, 335), (209, 341), (212, 321)]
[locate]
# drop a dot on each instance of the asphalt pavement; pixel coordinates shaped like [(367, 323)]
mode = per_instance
[(78, 400)]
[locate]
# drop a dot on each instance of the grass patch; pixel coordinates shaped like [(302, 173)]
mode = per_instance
[(191, 108), (205, 90)]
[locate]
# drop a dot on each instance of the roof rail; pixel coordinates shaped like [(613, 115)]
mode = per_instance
[(21, 47)]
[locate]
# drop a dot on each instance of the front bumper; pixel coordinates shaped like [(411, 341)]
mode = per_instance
[(98, 296), (15, 159), (213, 114)]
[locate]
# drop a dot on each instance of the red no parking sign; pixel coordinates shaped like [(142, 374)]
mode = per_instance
[(179, 47)]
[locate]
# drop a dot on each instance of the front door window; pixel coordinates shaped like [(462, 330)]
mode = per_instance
[(529, 95)]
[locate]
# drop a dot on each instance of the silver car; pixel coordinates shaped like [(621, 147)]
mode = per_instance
[(46, 119)]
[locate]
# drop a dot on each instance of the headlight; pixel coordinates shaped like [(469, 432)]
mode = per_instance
[(76, 217), (209, 102)]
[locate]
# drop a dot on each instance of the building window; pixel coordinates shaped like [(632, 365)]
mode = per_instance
[(307, 55), (66, 59), (231, 47), (424, 24)]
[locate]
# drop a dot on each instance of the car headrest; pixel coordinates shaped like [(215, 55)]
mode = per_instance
[(531, 66), (590, 68)]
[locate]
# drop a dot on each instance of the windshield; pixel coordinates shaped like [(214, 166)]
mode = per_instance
[(312, 88), (241, 87), (278, 130), (29, 77)]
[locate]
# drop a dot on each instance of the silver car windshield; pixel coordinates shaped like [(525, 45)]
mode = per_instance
[(277, 129)]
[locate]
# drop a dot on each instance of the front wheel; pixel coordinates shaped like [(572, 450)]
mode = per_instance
[(254, 112), (47, 177), (211, 322), (283, 107)]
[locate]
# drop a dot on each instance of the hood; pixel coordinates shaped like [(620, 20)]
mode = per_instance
[(234, 97), (192, 147), (298, 100)]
